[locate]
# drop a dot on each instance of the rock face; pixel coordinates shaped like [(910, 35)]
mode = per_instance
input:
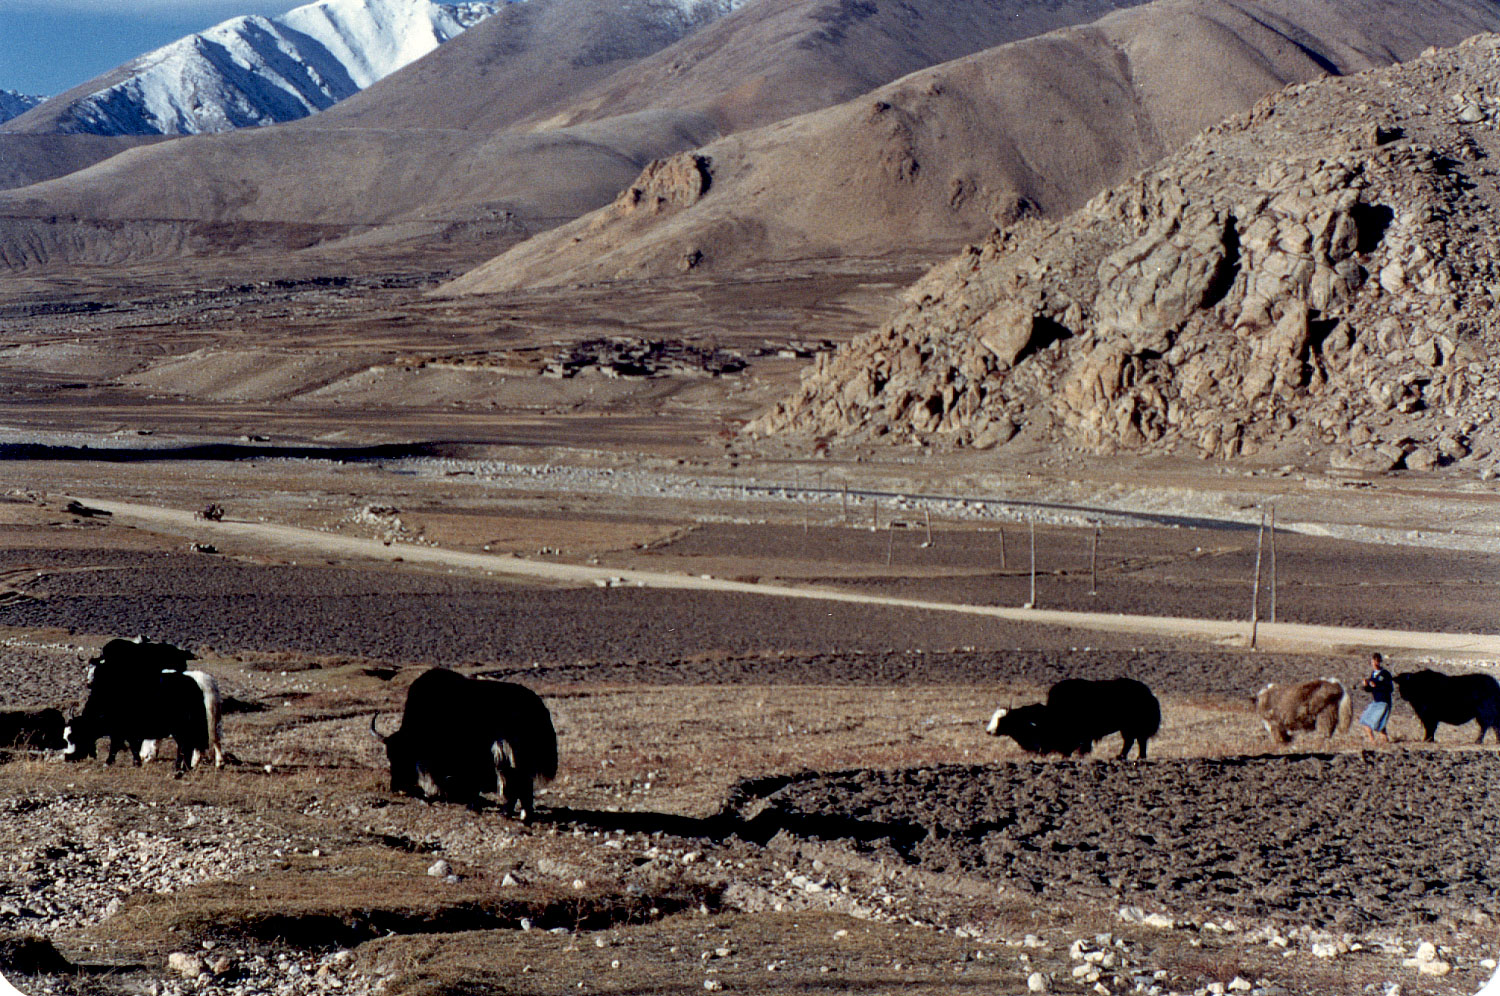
[(668, 183), (1315, 276)]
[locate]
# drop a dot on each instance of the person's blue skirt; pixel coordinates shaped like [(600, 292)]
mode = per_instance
[(1375, 716)]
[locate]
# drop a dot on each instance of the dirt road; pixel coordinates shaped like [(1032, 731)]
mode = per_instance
[(1281, 636)]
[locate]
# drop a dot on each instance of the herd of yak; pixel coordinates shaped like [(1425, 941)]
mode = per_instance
[(462, 738)]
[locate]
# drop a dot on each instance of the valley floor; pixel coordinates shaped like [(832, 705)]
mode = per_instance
[(758, 793)]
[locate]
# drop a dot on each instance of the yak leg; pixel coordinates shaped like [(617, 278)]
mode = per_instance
[(504, 775), (185, 755), (1430, 728), (516, 792), (525, 805), (1125, 748)]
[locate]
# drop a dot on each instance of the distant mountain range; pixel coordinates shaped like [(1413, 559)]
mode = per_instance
[(792, 130), (14, 104), (256, 70)]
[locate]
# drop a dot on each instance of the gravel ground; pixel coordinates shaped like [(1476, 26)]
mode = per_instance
[(70, 858)]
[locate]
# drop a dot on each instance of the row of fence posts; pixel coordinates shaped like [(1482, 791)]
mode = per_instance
[(1261, 548)]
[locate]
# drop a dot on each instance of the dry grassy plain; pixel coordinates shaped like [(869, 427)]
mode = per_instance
[(757, 794)]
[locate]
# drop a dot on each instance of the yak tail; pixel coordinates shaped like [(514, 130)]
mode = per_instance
[(1346, 708), (546, 747), (211, 712), (546, 753)]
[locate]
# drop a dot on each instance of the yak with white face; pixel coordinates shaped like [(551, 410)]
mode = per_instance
[(136, 710), (1079, 712), (461, 737)]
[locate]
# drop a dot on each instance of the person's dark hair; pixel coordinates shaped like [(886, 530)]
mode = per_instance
[(1375, 658)]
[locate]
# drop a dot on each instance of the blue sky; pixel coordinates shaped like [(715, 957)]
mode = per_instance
[(47, 46)]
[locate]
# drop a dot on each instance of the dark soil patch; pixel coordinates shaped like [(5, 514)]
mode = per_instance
[(1349, 840), (1198, 572), (1214, 674), (411, 616)]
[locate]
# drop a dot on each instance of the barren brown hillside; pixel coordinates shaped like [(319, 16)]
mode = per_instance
[(28, 159), (468, 141), (1314, 280), (774, 59), (947, 154)]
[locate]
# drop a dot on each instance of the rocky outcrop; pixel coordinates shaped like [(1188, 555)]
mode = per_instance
[(1316, 276), (674, 182)]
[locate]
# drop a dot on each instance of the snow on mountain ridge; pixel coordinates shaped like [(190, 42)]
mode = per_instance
[(255, 70), (13, 104)]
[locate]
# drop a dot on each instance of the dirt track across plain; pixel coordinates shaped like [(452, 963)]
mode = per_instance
[(1278, 635)]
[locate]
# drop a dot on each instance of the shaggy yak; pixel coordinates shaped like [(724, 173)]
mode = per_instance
[(1456, 699), (134, 710), (1077, 713), (1321, 704), (461, 737)]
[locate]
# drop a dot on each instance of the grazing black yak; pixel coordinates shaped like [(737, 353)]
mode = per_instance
[(461, 737), (1077, 713)]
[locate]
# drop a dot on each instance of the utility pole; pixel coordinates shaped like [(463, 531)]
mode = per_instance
[(1255, 595)]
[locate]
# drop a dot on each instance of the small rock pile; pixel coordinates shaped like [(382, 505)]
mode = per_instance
[(1315, 278)]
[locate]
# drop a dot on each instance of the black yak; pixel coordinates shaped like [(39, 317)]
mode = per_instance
[(461, 737), (134, 710), (1456, 699), (1079, 712), (41, 730)]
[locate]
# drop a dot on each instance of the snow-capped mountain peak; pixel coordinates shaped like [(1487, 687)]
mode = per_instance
[(257, 70), (13, 104)]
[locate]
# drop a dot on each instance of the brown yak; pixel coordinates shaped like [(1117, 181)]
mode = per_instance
[(1320, 704)]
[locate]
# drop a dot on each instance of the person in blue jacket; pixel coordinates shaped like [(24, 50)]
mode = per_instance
[(1380, 685)]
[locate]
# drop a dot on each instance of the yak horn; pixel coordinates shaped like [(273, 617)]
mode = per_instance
[(377, 734)]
